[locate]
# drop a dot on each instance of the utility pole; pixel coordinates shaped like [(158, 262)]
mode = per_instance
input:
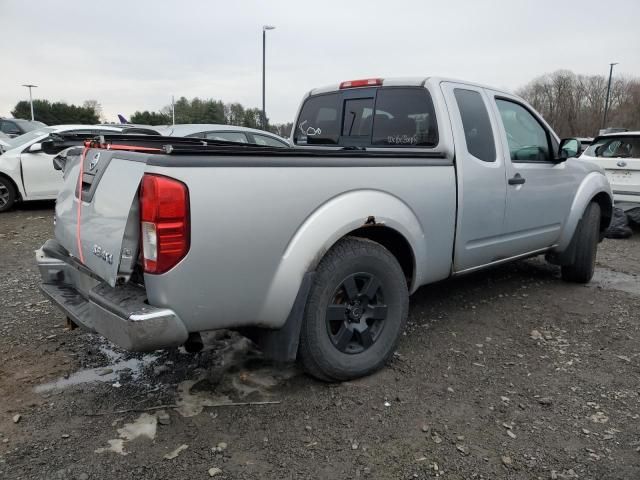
[(29, 86), (606, 103), (264, 40), (173, 110)]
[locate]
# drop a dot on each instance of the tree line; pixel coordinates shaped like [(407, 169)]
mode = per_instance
[(59, 113), (198, 110), (572, 104)]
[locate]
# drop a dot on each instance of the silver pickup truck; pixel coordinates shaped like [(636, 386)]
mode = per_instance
[(313, 251)]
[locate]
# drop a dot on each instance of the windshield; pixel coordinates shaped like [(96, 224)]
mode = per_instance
[(28, 126), (623, 146), (29, 136)]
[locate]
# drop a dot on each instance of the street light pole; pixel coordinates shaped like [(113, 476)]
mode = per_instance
[(264, 41), (606, 103), (29, 86)]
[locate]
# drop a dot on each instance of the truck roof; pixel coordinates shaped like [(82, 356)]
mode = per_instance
[(404, 82)]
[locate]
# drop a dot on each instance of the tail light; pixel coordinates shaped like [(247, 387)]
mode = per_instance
[(366, 82), (164, 217)]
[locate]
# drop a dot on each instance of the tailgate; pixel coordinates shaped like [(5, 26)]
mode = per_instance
[(101, 228), (623, 175)]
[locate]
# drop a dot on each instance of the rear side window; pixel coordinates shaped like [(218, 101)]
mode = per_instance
[(383, 117), (476, 124), (319, 122), (404, 117), (623, 146)]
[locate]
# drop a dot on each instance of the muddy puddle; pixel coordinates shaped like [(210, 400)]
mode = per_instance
[(118, 365), (612, 280), (229, 370), (240, 376)]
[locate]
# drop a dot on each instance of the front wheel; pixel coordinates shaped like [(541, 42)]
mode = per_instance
[(586, 239), (355, 313), (7, 194)]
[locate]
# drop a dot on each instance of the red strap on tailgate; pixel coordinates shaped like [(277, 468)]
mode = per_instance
[(79, 216)]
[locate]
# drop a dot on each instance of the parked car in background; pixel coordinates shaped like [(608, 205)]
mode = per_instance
[(619, 155), (14, 127), (313, 250), (133, 128), (584, 143), (27, 173), (227, 133), (605, 131)]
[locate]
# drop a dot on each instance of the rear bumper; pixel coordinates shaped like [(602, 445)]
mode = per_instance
[(121, 314), (626, 205), (625, 197)]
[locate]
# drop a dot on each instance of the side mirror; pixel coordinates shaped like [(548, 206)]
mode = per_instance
[(569, 148), (35, 148)]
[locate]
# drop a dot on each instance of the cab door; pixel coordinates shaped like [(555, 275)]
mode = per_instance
[(480, 169), (539, 190)]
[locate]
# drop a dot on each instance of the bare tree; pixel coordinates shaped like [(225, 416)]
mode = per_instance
[(574, 104)]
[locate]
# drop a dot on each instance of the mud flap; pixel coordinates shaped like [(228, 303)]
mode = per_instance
[(282, 345)]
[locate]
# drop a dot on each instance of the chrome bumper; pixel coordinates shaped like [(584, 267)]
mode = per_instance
[(121, 314)]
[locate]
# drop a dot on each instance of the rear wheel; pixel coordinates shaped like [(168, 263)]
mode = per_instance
[(586, 245), (356, 311), (7, 194)]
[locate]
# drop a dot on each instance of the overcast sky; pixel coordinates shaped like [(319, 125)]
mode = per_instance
[(134, 55)]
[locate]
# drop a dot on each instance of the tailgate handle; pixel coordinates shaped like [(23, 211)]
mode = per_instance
[(517, 180)]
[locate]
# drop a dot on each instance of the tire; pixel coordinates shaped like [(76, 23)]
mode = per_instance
[(586, 240), (355, 313), (7, 194)]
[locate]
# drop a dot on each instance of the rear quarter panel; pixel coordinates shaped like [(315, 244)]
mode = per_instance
[(256, 231)]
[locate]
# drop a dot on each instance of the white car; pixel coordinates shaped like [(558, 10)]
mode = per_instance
[(27, 173), (4, 142), (619, 155), (227, 133)]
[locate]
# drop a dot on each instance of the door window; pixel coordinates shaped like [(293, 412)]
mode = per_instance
[(528, 140), (478, 133)]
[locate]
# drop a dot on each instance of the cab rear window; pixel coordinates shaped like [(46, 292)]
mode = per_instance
[(382, 117)]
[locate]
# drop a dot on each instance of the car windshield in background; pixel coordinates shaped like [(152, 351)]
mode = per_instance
[(383, 117), (623, 146), (28, 125), (27, 137)]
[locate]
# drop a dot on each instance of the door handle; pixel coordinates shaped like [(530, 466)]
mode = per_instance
[(517, 180)]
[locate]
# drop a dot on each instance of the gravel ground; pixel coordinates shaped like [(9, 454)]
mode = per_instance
[(509, 373)]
